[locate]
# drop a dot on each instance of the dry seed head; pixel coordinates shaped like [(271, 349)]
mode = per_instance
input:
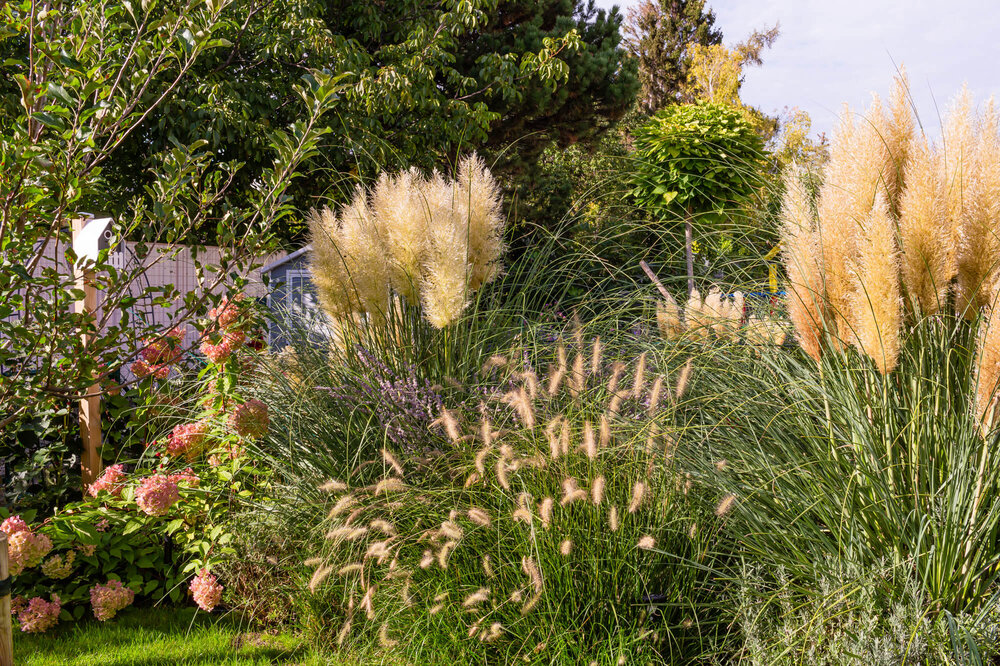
[(312, 561), (342, 505), (564, 437), (475, 627), (319, 576), (571, 493), (333, 486), (476, 598), (518, 399), (442, 556), (725, 505), (471, 480), (595, 356), (802, 255), (578, 380), (486, 434), (566, 547), (350, 568), (640, 376), (597, 491), (530, 380), (383, 638), (617, 368), (555, 379), (638, 493), (517, 596), (383, 526), (693, 530), (683, 379), (427, 560), (487, 566), (616, 402), (451, 530), (390, 485), (481, 459), (589, 441), (343, 633), (988, 369), (494, 632), (392, 462), (561, 356), (605, 436), (443, 596), (531, 569), (380, 550), (668, 318), (654, 395), (613, 518), (406, 594), (437, 608), (495, 361), (347, 533), (479, 517), (354, 515), (647, 542), (545, 511), (450, 425), (366, 603), (501, 470), (721, 465)]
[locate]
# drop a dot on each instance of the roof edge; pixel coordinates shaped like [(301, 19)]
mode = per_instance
[(288, 257)]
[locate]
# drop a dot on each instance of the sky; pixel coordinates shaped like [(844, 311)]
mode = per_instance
[(835, 51)]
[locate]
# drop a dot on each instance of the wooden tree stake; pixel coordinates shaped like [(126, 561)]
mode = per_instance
[(90, 405), (6, 635)]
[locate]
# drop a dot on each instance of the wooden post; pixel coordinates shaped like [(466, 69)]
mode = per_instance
[(90, 405), (6, 636)]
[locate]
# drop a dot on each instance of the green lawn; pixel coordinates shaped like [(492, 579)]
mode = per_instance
[(144, 637)]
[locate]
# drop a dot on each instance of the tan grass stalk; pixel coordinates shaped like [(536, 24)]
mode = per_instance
[(406, 594), (531, 569), (693, 530), (958, 173), (451, 529), (564, 437)]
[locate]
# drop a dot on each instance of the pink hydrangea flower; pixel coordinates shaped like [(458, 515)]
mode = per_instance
[(221, 351), (39, 615), (156, 494), (108, 599), (164, 349), (59, 566), (13, 525), (206, 590), (250, 419), (228, 312), (187, 476), (87, 549), (188, 439), (111, 480), (26, 549)]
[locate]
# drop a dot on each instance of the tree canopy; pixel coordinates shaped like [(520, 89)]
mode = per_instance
[(422, 82)]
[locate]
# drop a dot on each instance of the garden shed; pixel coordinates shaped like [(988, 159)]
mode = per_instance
[(291, 296)]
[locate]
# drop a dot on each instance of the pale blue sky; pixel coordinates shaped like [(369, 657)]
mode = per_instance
[(834, 51)]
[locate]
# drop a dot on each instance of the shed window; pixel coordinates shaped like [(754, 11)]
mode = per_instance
[(299, 293)]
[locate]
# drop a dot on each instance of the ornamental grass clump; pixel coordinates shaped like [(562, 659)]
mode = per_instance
[(877, 449), (537, 524), (426, 241)]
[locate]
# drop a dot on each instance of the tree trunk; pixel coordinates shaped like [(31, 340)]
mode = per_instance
[(689, 252)]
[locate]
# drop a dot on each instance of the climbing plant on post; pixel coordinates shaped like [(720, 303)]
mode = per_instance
[(696, 163)]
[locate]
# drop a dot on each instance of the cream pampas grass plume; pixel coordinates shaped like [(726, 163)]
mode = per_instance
[(803, 265), (988, 368), (875, 303), (927, 241), (668, 318), (431, 241)]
